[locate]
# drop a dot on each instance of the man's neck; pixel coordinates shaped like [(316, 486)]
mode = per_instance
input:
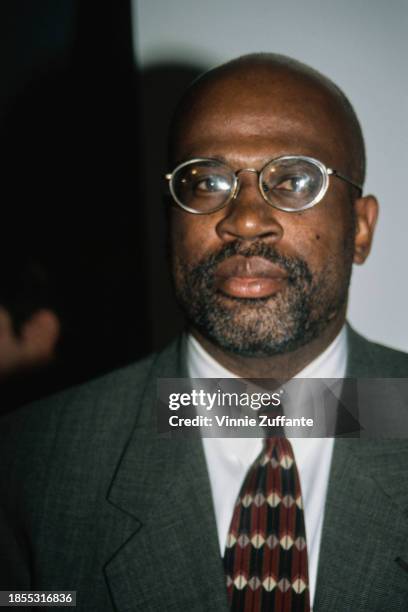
[(279, 367)]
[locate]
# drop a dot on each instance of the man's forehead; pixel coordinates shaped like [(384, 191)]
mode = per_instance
[(289, 110)]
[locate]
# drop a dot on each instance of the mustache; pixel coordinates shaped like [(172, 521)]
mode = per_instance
[(296, 268)]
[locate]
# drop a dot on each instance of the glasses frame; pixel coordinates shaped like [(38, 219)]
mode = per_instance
[(325, 171)]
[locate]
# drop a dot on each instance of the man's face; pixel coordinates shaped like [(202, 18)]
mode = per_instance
[(254, 280)]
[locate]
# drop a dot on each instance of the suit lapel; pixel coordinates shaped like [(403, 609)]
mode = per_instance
[(171, 550), (365, 532), (365, 528)]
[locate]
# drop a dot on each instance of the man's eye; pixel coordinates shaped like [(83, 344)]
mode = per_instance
[(293, 184), (211, 184)]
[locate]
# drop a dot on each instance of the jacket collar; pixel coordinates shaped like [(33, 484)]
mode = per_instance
[(170, 549)]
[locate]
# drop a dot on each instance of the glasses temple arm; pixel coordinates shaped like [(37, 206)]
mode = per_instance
[(344, 178)]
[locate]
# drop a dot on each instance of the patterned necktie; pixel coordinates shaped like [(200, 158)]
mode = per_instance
[(265, 558)]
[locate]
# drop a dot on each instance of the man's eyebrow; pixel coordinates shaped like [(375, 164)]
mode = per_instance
[(228, 162), (219, 158), (186, 158), (303, 150)]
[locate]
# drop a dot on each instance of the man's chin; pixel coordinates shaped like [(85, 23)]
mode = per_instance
[(253, 330), (248, 337), (252, 348)]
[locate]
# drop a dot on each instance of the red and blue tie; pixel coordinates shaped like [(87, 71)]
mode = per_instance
[(266, 556)]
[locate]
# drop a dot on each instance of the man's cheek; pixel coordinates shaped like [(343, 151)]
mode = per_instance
[(183, 227), (315, 239), (194, 242)]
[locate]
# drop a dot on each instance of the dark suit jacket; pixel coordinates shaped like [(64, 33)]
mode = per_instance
[(92, 500)]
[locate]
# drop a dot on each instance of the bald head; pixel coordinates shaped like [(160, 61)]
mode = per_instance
[(282, 90)]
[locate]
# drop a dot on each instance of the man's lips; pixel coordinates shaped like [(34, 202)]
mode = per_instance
[(249, 277)]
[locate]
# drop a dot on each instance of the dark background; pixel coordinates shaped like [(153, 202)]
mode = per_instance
[(83, 152)]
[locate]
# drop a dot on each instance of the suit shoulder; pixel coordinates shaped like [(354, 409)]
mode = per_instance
[(374, 360), (393, 359), (110, 398), (70, 443)]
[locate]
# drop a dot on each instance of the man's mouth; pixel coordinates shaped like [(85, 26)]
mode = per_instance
[(249, 277)]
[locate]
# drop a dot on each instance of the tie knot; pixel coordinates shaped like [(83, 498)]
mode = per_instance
[(278, 446), (269, 445)]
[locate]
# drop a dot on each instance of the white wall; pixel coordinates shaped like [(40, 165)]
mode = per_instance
[(363, 46)]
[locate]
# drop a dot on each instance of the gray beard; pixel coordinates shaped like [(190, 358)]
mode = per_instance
[(262, 327)]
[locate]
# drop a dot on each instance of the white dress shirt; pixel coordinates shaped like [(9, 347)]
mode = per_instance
[(228, 459)]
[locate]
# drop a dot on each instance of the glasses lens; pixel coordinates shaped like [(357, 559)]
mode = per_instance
[(293, 183), (202, 186)]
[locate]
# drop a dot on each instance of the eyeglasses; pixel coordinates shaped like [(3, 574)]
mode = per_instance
[(290, 183)]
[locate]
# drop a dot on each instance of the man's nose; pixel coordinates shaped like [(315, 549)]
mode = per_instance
[(248, 216)]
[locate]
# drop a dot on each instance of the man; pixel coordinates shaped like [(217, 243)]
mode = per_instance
[(267, 219)]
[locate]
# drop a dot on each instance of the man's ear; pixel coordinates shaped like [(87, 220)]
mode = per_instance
[(366, 211), (39, 336)]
